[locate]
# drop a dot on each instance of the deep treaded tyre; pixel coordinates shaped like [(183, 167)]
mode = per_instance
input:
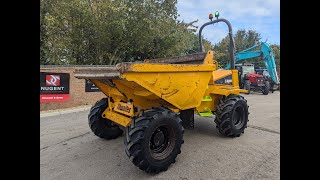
[(266, 89), (232, 115), (154, 139), (102, 127), (247, 85)]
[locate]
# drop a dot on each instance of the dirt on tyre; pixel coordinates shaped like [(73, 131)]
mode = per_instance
[(247, 85), (154, 139), (266, 89), (232, 115), (102, 127)]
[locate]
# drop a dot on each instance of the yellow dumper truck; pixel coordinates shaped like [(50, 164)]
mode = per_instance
[(151, 102)]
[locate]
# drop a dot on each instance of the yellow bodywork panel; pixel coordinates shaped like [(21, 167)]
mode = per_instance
[(107, 90), (124, 108), (141, 97), (183, 86), (235, 78), (218, 74), (160, 68), (216, 90), (117, 118), (209, 58), (227, 90)]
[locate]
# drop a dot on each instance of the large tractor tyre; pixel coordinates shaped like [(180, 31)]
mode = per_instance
[(266, 88), (271, 87), (102, 127), (247, 85), (154, 139), (232, 115)]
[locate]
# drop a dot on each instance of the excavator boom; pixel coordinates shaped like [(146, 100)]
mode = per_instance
[(266, 55)]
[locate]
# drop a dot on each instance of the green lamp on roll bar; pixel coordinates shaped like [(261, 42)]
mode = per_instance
[(216, 14)]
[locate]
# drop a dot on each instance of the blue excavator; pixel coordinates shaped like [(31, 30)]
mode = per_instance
[(265, 79)]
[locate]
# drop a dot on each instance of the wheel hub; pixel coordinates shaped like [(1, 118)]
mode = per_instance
[(238, 117), (158, 138), (162, 142)]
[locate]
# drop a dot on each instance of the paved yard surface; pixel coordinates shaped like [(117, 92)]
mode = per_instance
[(68, 149)]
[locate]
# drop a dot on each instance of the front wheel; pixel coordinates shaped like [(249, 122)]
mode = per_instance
[(247, 85), (154, 139), (102, 127), (266, 88), (232, 115)]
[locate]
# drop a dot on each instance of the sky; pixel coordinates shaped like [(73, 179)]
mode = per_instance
[(262, 16)]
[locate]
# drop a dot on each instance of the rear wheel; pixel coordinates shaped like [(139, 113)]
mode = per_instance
[(232, 115), (272, 87), (266, 88), (154, 139), (247, 85), (102, 127)]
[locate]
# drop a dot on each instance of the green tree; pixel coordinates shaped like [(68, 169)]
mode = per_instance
[(109, 32), (276, 53), (243, 39)]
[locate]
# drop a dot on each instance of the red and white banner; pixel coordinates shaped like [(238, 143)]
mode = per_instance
[(54, 97), (54, 87)]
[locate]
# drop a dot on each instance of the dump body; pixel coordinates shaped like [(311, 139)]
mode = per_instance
[(133, 87)]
